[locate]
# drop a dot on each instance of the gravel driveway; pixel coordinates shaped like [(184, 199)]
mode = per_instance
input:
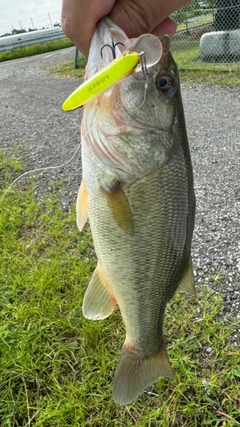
[(35, 129)]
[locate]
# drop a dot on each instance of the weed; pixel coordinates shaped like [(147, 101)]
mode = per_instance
[(66, 69), (56, 368)]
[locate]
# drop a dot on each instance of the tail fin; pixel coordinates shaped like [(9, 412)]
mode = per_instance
[(134, 374)]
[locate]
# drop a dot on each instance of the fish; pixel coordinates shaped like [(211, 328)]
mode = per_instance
[(137, 191)]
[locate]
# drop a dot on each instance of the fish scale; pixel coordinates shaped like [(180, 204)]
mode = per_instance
[(141, 221)]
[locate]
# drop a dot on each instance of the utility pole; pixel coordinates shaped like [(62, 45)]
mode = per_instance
[(50, 20), (32, 23), (20, 24)]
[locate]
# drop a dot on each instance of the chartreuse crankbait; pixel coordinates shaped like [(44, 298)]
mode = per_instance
[(144, 52), (108, 76)]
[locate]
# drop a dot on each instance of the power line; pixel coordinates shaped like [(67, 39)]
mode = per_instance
[(27, 19), (39, 21)]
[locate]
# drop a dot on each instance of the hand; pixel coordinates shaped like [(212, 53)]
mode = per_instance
[(135, 17)]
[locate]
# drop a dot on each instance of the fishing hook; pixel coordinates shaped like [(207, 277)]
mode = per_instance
[(144, 69), (113, 48), (144, 64)]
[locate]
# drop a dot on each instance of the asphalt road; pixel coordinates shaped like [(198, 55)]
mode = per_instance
[(35, 129)]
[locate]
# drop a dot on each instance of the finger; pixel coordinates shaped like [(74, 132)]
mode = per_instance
[(136, 17), (168, 26), (79, 20)]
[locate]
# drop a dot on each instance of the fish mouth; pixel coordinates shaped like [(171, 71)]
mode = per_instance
[(108, 41)]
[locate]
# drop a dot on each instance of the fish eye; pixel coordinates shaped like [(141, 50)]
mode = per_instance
[(164, 83)]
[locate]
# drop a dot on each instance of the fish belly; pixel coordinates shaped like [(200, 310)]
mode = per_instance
[(141, 266)]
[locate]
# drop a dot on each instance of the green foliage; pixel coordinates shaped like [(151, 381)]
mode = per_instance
[(56, 368), (21, 52)]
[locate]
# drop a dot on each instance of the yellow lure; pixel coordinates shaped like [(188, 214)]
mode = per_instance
[(108, 76)]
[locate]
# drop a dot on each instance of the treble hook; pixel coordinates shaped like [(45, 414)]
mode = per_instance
[(113, 47), (143, 64)]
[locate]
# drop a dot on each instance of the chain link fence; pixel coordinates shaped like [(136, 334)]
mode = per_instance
[(208, 35)]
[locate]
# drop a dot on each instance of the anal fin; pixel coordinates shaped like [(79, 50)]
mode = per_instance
[(134, 373), (187, 282), (82, 206), (98, 303)]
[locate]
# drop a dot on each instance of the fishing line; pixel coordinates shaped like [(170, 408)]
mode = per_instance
[(145, 93), (142, 103), (47, 168)]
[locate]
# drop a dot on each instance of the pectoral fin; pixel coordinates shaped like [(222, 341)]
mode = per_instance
[(98, 303), (119, 206), (187, 281), (82, 206)]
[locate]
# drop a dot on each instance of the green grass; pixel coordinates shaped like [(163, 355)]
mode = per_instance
[(220, 78), (192, 69), (56, 368), (187, 57), (22, 52), (184, 47), (196, 22), (66, 69)]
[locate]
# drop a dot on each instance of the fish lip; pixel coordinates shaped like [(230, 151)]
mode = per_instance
[(112, 31), (108, 32), (105, 32)]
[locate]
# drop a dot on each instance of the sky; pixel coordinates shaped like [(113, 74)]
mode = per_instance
[(18, 13)]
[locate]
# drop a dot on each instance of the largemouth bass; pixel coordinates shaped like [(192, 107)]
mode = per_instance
[(137, 190)]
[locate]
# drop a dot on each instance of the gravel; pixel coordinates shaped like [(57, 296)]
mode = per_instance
[(35, 129)]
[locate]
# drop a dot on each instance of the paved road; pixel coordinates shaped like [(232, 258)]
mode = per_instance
[(33, 127)]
